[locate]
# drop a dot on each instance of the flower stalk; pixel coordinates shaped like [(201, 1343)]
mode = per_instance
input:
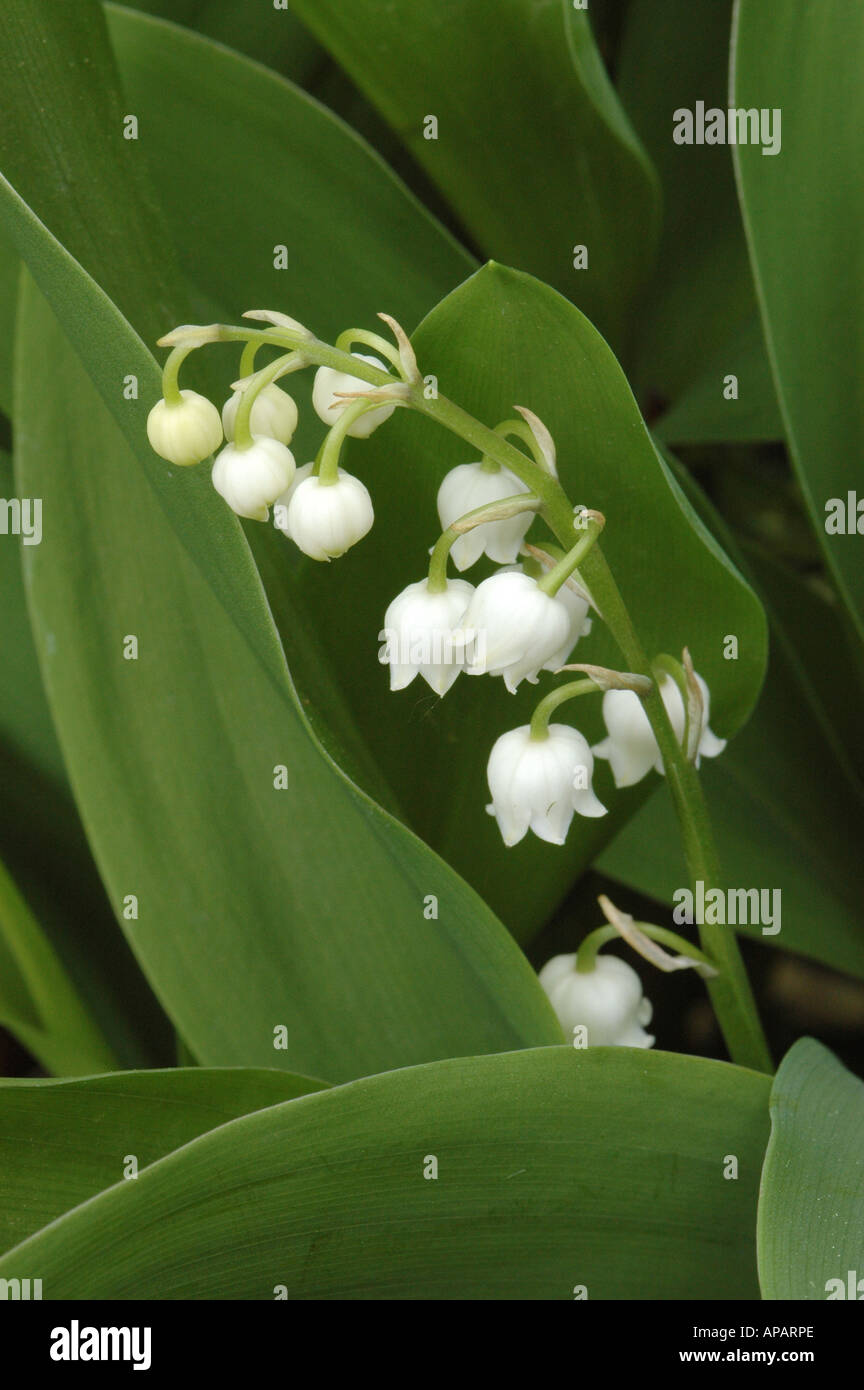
[(548, 705)]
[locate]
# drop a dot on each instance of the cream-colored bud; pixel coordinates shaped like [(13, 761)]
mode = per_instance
[(185, 432)]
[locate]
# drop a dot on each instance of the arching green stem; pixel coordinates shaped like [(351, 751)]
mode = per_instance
[(586, 956), (492, 511), (170, 372), (560, 573), (373, 340), (250, 393), (247, 360), (519, 429), (548, 705), (329, 455)]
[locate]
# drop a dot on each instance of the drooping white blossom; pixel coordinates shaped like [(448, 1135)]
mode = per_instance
[(518, 628), (251, 479), (423, 635), (185, 432), (472, 485), (540, 783), (607, 1001), (325, 519), (631, 747), (577, 606)]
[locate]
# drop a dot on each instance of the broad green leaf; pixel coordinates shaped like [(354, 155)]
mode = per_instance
[(263, 32), (716, 410), (45, 850), (681, 588), (102, 338), (699, 321), (38, 1002), (785, 797), (44, 847), (257, 908), (113, 228), (532, 148), (8, 296), (555, 1169), (803, 214), (811, 1203), (62, 1142), (770, 836)]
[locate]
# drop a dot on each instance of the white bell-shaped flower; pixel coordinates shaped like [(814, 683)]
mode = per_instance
[(631, 747), (517, 628), (423, 635), (580, 624), (469, 486), (326, 519), (539, 783), (328, 405), (185, 431), (607, 1001), (251, 479), (274, 414)]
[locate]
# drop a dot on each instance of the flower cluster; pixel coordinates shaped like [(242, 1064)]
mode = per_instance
[(323, 514), (523, 619), (516, 623)]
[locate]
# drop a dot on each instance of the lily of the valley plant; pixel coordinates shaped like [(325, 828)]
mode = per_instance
[(523, 620)]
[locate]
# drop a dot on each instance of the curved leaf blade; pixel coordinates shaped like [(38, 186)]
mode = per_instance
[(556, 1169), (63, 1142), (8, 296), (811, 1203), (804, 208), (356, 239), (699, 319), (528, 122)]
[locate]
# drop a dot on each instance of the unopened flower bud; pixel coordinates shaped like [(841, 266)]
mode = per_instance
[(186, 431), (273, 414)]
